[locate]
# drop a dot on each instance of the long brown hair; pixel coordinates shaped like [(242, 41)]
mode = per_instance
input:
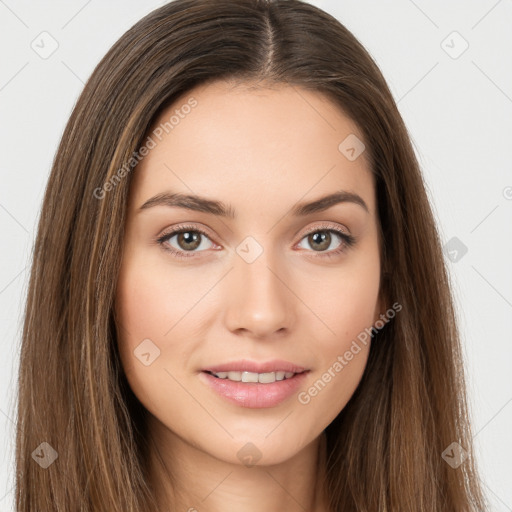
[(385, 447)]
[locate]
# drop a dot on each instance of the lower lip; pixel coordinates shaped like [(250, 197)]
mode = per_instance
[(254, 394)]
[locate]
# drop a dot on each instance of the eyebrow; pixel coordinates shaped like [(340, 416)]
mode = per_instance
[(213, 207)]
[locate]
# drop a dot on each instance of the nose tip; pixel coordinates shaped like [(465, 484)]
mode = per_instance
[(258, 301)]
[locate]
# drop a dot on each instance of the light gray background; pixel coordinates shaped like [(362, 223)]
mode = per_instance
[(457, 106)]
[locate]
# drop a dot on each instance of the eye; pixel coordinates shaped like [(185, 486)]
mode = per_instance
[(328, 240), (185, 239)]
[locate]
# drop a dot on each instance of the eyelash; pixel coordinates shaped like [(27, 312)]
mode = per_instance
[(348, 241)]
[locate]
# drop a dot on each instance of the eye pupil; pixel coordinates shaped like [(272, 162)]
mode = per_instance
[(320, 240), (189, 240)]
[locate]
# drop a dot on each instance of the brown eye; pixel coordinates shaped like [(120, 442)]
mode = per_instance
[(320, 240), (185, 241), (189, 240), (323, 241)]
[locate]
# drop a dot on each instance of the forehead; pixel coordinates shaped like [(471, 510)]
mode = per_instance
[(261, 144)]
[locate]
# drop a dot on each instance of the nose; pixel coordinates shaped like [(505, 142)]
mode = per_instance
[(259, 301)]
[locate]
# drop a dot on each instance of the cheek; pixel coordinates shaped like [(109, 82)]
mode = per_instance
[(154, 302), (341, 358), (351, 310), (347, 304), (345, 300), (158, 312), (149, 305)]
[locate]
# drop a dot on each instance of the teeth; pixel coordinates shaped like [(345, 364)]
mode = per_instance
[(249, 377), (266, 378), (262, 378)]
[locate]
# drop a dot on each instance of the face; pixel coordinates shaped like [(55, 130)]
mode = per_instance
[(245, 280)]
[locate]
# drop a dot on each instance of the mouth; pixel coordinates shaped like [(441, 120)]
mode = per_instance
[(255, 385), (248, 377)]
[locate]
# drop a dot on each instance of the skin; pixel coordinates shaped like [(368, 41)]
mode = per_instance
[(260, 151)]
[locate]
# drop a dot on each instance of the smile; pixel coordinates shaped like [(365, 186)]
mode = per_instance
[(254, 390), (262, 378)]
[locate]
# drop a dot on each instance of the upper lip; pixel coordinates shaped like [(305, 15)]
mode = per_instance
[(247, 365)]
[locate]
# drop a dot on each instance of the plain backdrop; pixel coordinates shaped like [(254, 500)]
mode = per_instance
[(449, 66)]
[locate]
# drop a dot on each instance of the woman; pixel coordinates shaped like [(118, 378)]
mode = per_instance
[(238, 297)]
